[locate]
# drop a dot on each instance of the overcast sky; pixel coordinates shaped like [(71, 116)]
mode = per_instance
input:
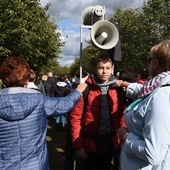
[(67, 14)]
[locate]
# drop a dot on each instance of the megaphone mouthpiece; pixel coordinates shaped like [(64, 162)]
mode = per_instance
[(101, 38)]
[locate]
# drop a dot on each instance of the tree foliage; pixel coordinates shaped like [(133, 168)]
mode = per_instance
[(157, 15), (133, 38), (27, 31)]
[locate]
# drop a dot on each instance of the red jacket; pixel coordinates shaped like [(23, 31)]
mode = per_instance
[(84, 121)]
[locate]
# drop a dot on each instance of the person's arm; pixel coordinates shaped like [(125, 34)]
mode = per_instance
[(154, 144), (133, 90), (60, 105)]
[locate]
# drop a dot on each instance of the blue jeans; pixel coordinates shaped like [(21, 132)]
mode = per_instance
[(61, 120)]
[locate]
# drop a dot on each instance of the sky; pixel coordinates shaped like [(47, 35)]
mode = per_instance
[(67, 15)]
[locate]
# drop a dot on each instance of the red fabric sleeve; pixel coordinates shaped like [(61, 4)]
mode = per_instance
[(75, 124)]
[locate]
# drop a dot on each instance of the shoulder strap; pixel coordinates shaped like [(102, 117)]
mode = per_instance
[(86, 92), (36, 89), (165, 85)]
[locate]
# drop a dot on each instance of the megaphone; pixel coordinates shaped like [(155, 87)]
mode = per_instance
[(92, 14), (104, 34)]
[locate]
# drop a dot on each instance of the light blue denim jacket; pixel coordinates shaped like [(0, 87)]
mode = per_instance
[(147, 146)]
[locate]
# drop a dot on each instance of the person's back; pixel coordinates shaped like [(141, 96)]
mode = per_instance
[(26, 135), (49, 84), (59, 90), (23, 118), (38, 82), (61, 86)]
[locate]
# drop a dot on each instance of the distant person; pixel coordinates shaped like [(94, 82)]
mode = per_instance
[(128, 75), (96, 118), (31, 82), (44, 77), (143, 75), (23, 117), (142, 79), (51, 80), (58, 91), (48, 87)]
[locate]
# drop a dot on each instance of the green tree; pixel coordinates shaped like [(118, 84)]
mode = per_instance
[(75, 66), (26, 30), (140, 29), (51, 66), (156, 14)]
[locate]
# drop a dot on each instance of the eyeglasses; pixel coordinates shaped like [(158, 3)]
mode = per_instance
[(149, 59)]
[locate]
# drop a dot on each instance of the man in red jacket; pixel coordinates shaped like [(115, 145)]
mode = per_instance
[(96, 118)]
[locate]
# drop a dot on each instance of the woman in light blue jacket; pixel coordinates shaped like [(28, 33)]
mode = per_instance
[(146, 141), (23, 117)]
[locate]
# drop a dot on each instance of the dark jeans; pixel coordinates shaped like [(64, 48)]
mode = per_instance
[(116, 160), (70, 155), (102, 159)]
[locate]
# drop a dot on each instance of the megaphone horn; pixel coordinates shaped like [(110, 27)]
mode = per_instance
[(104, 34), (92, 14)]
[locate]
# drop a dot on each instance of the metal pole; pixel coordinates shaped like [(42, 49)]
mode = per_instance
[(81, 46)]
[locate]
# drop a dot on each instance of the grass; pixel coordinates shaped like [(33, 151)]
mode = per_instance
[(56, 146)]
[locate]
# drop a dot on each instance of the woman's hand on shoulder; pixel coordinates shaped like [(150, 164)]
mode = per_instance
[(119, 83)]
